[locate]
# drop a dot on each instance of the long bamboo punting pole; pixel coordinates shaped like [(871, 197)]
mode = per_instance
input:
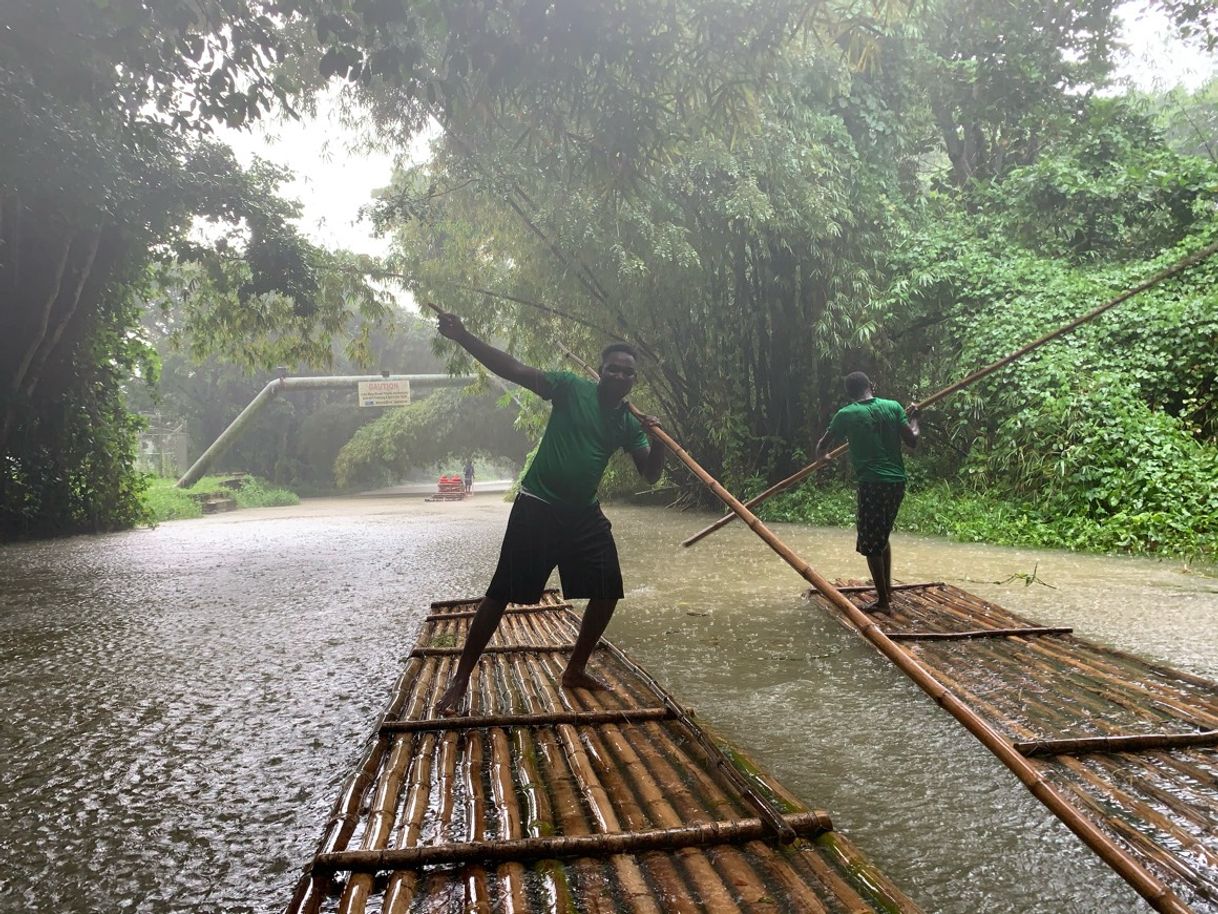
[(1160, 897), (1152, 889), (799, 476)]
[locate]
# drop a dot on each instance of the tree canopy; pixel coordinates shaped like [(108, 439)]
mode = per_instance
[(758, 196)]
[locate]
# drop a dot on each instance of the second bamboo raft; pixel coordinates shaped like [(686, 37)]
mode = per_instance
[(1132, 745), (546, 800)]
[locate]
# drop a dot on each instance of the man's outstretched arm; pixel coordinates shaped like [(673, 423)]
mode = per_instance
[(822, 446), (506, 366), (909, 429), (649, 461)]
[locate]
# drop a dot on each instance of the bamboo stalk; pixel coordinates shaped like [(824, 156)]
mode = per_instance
[(1152, 889), (800, 475), (547, 595), (1147, 813), (630, 875), (510, 611), (492, 649), (1131, 743), (582, 718), (713, 752), (503, 791), (380, 820), (402, 886), (864, 588), (311, 890), (979, 633), (665, 800), (806, 824)]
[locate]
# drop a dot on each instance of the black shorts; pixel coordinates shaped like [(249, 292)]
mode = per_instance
[(540, 536), (878, 506)]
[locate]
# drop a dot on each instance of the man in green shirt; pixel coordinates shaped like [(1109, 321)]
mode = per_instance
[(875, 429), (556, 519)]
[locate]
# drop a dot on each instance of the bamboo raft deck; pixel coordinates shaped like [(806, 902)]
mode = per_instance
[(1131, 744), (545, 800)]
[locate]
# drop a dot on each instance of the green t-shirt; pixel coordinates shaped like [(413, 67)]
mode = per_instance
[(580, 438), (873, 428)]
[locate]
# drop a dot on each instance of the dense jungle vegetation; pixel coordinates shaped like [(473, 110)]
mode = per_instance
[(760, 198)]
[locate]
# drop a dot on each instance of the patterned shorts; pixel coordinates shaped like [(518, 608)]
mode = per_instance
[(878, 506)]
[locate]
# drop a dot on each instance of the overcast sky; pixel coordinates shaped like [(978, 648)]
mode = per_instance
[(333, 182)]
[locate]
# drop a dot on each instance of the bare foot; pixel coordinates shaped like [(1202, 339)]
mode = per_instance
[(584, 681), (450, 701), (877, 607)]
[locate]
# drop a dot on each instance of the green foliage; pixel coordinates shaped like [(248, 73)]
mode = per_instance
[(1189, 120), (448, 425), (254, 493), (164, 501), (1114, 188), (103, 175), (760, 244)]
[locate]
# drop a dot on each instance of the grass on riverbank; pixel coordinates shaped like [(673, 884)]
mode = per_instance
[(162, 501), (941, 510)]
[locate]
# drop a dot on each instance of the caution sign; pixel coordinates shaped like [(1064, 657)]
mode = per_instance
[(384, 393)]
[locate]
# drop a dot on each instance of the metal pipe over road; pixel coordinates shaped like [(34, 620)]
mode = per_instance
[(281, 385)]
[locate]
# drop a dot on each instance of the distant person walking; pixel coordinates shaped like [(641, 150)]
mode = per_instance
[(469, 476), (556, 519), (874, 429)]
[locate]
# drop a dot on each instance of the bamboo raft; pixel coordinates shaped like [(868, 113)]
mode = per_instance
[(545, 800), (1132, 745)]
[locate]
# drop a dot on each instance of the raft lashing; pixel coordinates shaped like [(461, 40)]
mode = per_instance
[(1132, 745), (552, 800)]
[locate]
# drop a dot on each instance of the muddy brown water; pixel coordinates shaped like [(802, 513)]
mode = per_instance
[(181, 704)]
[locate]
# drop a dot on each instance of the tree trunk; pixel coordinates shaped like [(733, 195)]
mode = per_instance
[(43, 320), (86, 271)]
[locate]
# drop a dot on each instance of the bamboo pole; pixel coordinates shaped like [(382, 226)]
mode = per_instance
[(799, 476), (548, 594), (511, 610), (402, 886), (1149, 887), (979, 633), (695, 885), (632, 877), (863, 588), (806, 824), (670, 802), (581, 718), (311, 890)]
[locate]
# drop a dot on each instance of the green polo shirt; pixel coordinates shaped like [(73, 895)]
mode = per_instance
[(579, 439), (873, 428)]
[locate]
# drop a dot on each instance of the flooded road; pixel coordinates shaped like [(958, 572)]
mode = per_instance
[(180, 705)]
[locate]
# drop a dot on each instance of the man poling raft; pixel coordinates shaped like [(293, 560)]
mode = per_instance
[(823, 460), (556, 519), (874, 428)]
